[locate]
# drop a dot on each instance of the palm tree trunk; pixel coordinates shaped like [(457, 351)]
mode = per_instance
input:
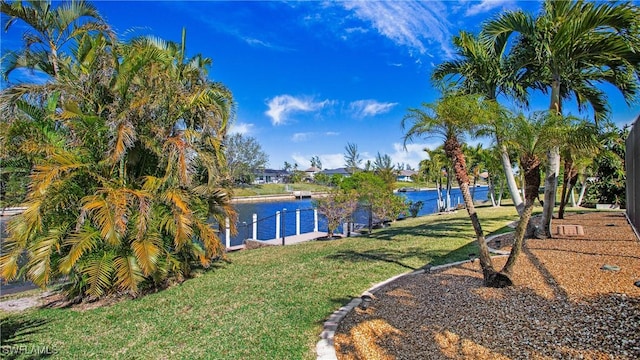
[(511, 180), (454, 151), (583, 189), (564, 198), (492, 191), (532, 182), (550, 188), (553, 164)]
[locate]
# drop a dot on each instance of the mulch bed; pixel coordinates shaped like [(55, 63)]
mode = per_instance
[(563, 304)]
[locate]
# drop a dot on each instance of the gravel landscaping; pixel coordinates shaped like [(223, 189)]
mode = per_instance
[(564, 304)]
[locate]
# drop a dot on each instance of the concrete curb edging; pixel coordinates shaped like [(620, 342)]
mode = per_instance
[(325, 349)]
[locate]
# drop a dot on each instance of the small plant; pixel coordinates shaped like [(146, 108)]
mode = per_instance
[(336, 206), (415, 207)]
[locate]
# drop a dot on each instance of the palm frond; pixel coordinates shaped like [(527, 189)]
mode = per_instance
[(147, 251), (127, 274), (98, 272), (105, 218), (39, 265), (82, 242)]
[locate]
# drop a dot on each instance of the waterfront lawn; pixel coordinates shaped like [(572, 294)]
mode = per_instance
[(268, 303), (276, 189)]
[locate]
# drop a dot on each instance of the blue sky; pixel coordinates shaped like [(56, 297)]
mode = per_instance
[(310, 77)]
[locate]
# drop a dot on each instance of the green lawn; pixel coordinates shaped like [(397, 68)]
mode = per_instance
[(268, 303), (273, 189)]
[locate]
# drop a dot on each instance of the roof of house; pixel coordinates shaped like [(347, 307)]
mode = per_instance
[(272, 172), (339, 171), (407, 173), (312, 169)]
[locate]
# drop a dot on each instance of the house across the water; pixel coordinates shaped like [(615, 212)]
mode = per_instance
[(271, 176)]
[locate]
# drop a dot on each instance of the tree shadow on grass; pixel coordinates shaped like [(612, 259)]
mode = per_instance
[(14, 338), (431, 257), (445, 227)]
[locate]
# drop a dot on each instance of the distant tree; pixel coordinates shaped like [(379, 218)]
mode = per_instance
[(337, 206), (387, 206), (366, 184), (315, 162), (336, 179), (244, 156), (287, 166), (373, 191), (384, 169), (322, 179), (368, 166), (352, 158), (296, 176)]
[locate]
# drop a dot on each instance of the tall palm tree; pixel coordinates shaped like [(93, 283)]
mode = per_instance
[(483, 69), (567, 51), (52, 30), (450, 118)]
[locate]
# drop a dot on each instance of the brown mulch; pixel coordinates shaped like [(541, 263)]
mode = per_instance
[(563, 305)]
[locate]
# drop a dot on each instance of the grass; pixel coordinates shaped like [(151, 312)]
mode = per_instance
[(268, 303), (274, 189)]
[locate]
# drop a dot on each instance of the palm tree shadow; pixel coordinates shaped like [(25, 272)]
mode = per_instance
[(546, 274), (14, 337), (371, 255)]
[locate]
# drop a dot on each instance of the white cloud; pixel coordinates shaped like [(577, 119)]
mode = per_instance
[(257, 42), (363, 108), (329, 161), (300, 137), (241, 128), (413, 154), (413, 24), (356, 30), (486, 6), (281, 106), (303, 161), (332, 161)]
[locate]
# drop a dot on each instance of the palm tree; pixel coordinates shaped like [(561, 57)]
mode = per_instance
[(530, 138), (482, 69), (125, 198), (443, 165), (566, 51), (352, 157), (53, 29), (450, 118)]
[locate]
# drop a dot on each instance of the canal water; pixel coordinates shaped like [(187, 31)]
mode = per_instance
[(266, 212)]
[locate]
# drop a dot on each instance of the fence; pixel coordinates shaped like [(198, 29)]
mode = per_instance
[(278, 226), (632, 164)]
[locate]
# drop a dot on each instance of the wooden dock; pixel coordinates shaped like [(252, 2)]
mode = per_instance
[(289, 240)]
